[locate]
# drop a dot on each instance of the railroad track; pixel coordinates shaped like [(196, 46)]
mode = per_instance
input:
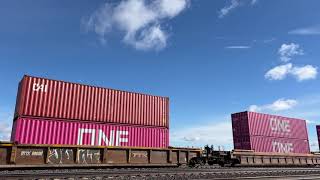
[(165, 173)]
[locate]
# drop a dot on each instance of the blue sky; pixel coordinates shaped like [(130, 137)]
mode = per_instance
[(212, 58)]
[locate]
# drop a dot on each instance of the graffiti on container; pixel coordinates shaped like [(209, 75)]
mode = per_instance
[(139, 154), (98, 137), (89, 156), (282, 147), (278, 125), (58, 156), (31, 153)]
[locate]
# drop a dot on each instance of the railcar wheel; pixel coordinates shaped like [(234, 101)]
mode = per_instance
[(201, 162), (192, 162)]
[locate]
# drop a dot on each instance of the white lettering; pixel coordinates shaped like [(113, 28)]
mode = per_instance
[(86, 131), (279, 125), (102, 136), (119, 139), (80, 135), (39, 87), (25, 153), (115, 137), (282, 147), (31, 153), (112, 133), (36, 153)]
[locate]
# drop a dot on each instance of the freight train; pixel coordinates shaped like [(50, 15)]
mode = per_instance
[(62, 124), (15, 156)]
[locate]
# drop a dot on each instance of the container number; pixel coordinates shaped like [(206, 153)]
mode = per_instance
[(39, 87)]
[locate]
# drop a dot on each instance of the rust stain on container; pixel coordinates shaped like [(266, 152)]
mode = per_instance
[(40, 97)]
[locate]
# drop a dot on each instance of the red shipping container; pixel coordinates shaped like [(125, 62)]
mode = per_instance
[(40, 97), (275, 145), (44, 131), (258, 124)]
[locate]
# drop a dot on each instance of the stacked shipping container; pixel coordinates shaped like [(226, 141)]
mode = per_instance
[(318, 134), (43, 131), (65, 108), (269, 133)]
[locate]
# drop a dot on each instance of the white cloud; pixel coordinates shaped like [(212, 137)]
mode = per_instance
[(219, 133), (313, 30), (139, 20), (305, 72), (171, 8), (278, 105), (302, 73), (308, 108), (5, 131), (233, 5), (253, 2), (254, 108), (269, 40), (226, 10), (100, 22), (278, 72), (287, 51), (152, 38), (237, 47), (5, 123), (282, 104)]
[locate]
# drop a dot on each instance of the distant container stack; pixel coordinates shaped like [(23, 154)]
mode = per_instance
[(269, 133), (318, 134), (57, 112)]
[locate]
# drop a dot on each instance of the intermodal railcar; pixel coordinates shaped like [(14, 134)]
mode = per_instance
[(250, 158), (59, 156)]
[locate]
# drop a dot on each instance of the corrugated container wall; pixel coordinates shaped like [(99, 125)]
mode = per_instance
[(275, 145), (318, 134), (39, 97), (42, 131), (258, 124)]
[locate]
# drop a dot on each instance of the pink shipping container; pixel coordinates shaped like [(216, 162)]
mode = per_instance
[(318, 134), (40, 97), (258, 124), (275, 145), (44, 131)]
